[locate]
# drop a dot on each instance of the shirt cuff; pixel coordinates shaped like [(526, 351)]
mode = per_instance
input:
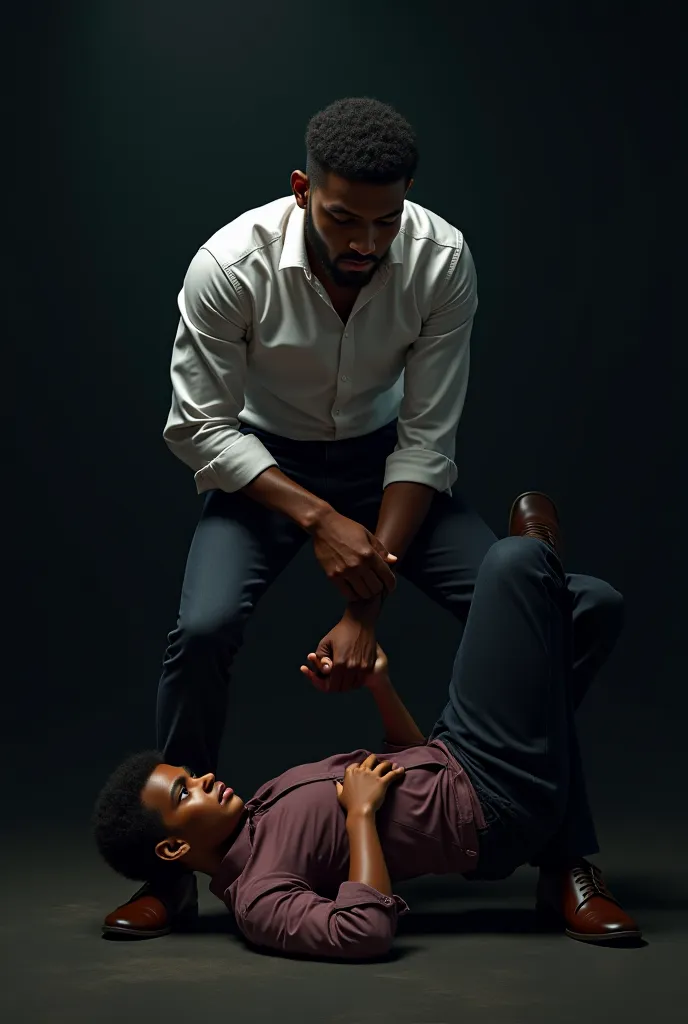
[(356, 894), (420, 466), (236, 466)]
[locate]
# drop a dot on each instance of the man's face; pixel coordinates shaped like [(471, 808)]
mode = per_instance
[(200, 814), (350, 225)]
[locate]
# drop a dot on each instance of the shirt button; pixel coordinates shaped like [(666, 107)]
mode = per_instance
[(346, 334), (387, 900), (336, 412), (344, 377), (470, 853)]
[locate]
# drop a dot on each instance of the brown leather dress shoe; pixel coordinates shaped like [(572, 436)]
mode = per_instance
[(534, 514), (580, 900), (154, 911)]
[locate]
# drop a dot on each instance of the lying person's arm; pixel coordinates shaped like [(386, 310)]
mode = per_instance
[(399, 725), (290, 917), (278, 909), (400, 729)]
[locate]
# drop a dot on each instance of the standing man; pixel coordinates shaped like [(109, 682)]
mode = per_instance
[(319, 374)]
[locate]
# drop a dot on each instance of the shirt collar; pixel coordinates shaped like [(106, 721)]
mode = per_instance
[(294, 249), (234, 861)]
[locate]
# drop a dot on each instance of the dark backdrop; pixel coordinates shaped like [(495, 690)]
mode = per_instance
[(138, 129)]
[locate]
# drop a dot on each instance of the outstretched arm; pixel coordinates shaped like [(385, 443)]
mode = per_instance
[(399, 726)]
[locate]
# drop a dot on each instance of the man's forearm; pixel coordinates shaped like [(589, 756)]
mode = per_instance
[(276, 491), (366, 860), (403, 510)]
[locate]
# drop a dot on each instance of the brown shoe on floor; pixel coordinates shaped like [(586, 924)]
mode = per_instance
[(580, 899), (154, 911), (533, 514)]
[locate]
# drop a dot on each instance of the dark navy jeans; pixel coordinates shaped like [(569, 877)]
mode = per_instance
[(510, 714)]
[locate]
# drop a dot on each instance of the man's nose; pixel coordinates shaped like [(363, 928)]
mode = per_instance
[(365, 245)]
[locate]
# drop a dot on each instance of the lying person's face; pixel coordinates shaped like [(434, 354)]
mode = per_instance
[(201, 814)]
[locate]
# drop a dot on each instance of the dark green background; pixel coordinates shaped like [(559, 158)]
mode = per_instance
[(137, 129)]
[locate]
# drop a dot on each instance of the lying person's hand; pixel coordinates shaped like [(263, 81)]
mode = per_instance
[(344, 658), (365, 785)]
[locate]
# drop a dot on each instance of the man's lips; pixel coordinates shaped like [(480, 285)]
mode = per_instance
[(355, 265)]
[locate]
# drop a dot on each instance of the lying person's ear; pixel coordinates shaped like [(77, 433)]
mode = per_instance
[(172, 849)]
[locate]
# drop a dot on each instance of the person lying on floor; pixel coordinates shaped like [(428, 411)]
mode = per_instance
[(307, 865)]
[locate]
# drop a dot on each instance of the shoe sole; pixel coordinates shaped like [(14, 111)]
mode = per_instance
[(184, 922), (606, 939), (130, 933)]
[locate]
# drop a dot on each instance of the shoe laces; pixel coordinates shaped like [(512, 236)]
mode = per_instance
[(589, 882), (541, 532)]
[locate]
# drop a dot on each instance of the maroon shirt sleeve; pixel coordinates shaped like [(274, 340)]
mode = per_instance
[(282, 912)]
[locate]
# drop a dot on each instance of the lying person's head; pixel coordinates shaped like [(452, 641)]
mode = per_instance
[(152, 819)]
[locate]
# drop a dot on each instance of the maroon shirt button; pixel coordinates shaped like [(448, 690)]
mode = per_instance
[(470, 853)]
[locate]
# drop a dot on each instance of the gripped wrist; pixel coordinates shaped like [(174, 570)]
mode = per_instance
[(365, 611), (376, 682)]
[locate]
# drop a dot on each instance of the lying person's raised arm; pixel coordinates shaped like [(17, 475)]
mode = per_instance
[(400, 729)]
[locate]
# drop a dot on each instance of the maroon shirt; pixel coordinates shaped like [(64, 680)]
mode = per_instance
[(285, 876)]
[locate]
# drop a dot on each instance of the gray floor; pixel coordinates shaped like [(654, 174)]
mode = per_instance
[(466, 953)]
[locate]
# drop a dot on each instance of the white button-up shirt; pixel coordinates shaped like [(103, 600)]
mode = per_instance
[(259, 342)]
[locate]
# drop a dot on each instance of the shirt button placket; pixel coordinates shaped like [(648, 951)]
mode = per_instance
[(344, 384)]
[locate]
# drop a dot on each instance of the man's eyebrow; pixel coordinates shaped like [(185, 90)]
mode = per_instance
[(178, 783), (337, 208)]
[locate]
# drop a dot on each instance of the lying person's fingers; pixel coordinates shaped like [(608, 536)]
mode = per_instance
[(317, 671)]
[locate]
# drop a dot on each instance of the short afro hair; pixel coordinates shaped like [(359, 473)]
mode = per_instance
[(360, 140), (126, 832)]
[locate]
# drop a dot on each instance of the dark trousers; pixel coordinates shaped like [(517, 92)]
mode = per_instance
[(239, 548), (510, 714)]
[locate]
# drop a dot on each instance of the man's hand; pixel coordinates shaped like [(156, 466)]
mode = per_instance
[(352, 557), (344, 658), (365, 785)]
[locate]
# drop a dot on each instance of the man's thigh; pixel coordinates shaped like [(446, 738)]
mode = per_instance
[(444, 558), (238, 549)]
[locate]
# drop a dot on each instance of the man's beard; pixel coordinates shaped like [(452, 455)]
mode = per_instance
[(338, 275)]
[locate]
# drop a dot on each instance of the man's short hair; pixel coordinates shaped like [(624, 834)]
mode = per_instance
[(360, 139), (126, 832)]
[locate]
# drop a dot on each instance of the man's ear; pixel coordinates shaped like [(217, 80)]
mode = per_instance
[(172, 849), (410, 184), (300, 186)]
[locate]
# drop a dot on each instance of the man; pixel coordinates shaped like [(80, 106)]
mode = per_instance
[(318, 377), (307, 865)]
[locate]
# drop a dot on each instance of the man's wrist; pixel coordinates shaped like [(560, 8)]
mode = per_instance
[(365, 612), (315, 515)]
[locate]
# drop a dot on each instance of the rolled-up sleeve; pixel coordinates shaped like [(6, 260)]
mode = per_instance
[(285, 914), (435, 383), (208, 371)]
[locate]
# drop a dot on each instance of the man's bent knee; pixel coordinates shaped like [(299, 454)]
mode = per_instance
[(513, 555)]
